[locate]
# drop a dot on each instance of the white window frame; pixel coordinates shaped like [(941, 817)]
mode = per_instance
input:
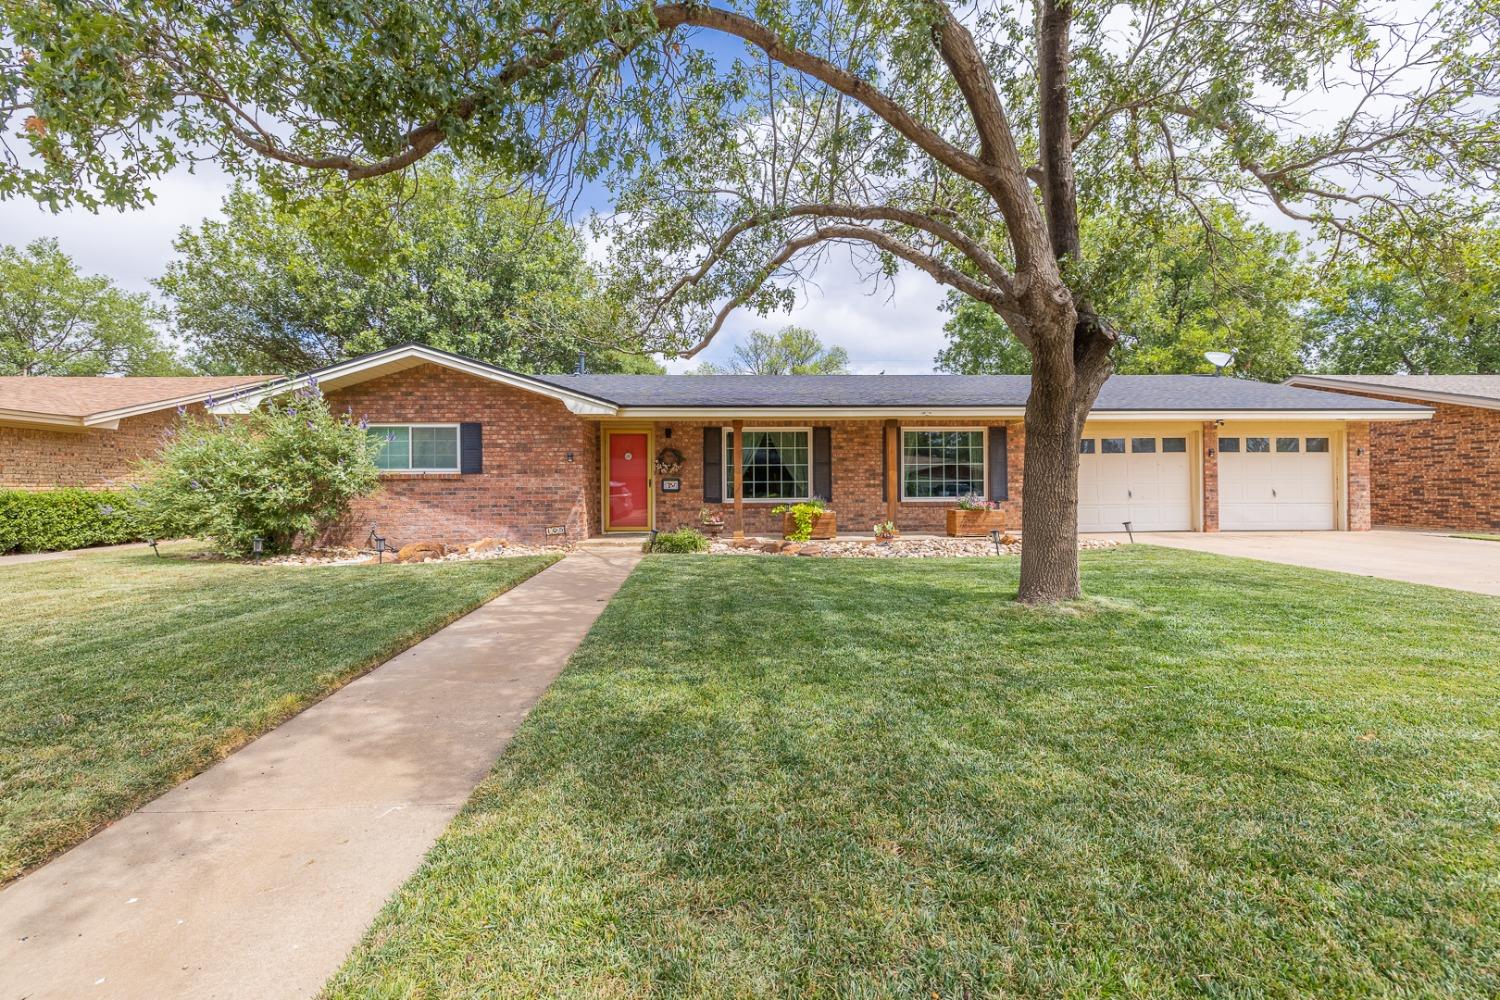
[(729, 465), (984, 494), (409, 471)]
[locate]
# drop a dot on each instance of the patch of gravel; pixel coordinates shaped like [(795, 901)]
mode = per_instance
[(349, 556), (868, 548)]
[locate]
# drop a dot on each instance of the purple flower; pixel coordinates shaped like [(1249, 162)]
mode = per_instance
[(364, 423), (194, 485), (106, 509), (291, 411), (309, 425), (182, 411)]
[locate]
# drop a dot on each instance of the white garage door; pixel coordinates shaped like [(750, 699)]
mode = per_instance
[(1276, 483), (1146, 480)]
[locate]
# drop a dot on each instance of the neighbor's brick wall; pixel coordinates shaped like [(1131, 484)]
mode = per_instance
[(35, 459), (1357, 457), (1438, 473), (527, 483), (1210, 476), (858, 458)]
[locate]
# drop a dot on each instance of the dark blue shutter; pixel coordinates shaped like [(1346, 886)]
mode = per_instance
[(713, 465), (822, 463), (999, 480), (470, 448)]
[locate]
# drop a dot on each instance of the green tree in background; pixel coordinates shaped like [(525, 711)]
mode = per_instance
[(792, 350), (55, 321), (1176, 291), (452, 259)]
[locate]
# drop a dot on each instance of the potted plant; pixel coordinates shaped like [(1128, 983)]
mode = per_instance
[(805, 520), (974, 516), (712, 520), (885, 531)]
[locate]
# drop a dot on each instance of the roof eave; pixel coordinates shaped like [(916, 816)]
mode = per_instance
[(1008, 412), (1400, 392)]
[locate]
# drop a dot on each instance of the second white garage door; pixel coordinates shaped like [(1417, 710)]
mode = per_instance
[(1276, 482), (1144, 479)]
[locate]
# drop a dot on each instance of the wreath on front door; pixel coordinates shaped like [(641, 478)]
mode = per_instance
[(668, 462)]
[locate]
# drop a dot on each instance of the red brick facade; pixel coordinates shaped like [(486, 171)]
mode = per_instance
[(541, 463), (36, 459), (1210, 459), (1438, 473), (1357, 475)]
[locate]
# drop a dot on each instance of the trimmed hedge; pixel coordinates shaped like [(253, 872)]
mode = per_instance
[(52, 520)]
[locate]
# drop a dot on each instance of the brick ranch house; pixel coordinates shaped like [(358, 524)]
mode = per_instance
[(471, 450), (1439, 473), (58, 431)]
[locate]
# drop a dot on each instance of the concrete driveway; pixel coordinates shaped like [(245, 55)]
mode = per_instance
[(1411, 556)]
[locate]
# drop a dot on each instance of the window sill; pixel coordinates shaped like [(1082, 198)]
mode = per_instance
[(949, 501), (409, 474)]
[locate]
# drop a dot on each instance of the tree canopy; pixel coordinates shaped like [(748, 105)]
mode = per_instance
[(455, 260), (792, 350), (56, 321)]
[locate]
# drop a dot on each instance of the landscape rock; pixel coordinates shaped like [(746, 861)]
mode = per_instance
[(421, 552)]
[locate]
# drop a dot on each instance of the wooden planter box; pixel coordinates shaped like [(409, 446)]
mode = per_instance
[(969, 523), (824, 526)]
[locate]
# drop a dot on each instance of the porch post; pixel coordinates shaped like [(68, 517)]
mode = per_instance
[(739, 478), (893, 487)]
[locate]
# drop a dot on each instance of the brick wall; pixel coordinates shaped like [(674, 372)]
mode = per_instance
[(858, 460), (1438, 473), (1357, 471), (35, 459), (1210, 475), (528, 482)]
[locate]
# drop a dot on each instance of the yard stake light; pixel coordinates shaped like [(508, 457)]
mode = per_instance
[(152, 542), (995, 537), (257, 546), (380, 548), (1129, 532), (651, 545)]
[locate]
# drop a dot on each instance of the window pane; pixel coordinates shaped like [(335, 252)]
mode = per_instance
[(1285, 445), (1317, 444), (1143, 446), (942, 463), (1112, 446), (1086, 446), (1229, 444), (434, 447), (394, 444), (777, 465), (1178, 445), (1258, 444)]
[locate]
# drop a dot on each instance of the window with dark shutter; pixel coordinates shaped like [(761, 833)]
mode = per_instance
[(713, 465), (999, 479), (470, 448), (822, 463)]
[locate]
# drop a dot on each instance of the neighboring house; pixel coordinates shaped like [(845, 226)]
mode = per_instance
[(471, 450), (90, 431), (1442, 473)]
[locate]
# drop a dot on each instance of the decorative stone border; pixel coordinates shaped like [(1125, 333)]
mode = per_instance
[(867, 548)]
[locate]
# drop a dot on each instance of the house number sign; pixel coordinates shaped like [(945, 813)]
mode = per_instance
[(671, 485)]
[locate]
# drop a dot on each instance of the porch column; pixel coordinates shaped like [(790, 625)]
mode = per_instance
[(892, 470), (1357, 475), (739, 478), (1210, 476)]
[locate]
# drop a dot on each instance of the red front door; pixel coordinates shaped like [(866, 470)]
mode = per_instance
[(629, 489)]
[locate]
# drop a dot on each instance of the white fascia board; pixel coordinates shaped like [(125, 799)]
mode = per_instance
[(50, 421), (1007, 412), (1298, 416), (1421, 395), (112, 418), (372, 366)]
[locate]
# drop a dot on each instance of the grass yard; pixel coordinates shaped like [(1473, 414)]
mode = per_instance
[(122, 674), (847, 778), (1479, 537)]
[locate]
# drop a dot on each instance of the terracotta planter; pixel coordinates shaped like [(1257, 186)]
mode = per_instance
[(970, 523), (713, 529), (824, 526)]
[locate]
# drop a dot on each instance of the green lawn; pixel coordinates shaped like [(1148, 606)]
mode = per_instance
[(802, 777), (1480, 537), (122, 674)]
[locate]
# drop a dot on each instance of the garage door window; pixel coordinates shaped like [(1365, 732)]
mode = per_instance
[(1112, 446), (1229, 445), (1262, 445), (1175, 446), (1317, 444), (1143, 446), (1086, 446), (1286, 446)]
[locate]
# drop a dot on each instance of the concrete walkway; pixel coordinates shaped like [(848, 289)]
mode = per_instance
[(257, 877), (1410, 556)]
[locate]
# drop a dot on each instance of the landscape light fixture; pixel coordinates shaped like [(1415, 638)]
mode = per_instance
[(379, 548), (257, 546), (995, 537), (152, 542), (1128, 531), (1219, 359)]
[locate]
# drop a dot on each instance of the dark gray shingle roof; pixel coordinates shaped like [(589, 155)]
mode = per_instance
[(1477, 386), (1120, 393)]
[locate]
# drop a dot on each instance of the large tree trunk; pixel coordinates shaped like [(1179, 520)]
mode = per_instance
[(1064, 384)]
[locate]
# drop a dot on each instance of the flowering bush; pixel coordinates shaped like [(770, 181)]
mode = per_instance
[(290, 468), (973, 501)]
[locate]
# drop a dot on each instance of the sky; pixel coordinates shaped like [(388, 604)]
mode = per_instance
[(898, 329)]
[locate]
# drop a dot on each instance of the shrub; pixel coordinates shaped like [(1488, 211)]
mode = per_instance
[(680, 541), (54, 520), (290, 468)]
